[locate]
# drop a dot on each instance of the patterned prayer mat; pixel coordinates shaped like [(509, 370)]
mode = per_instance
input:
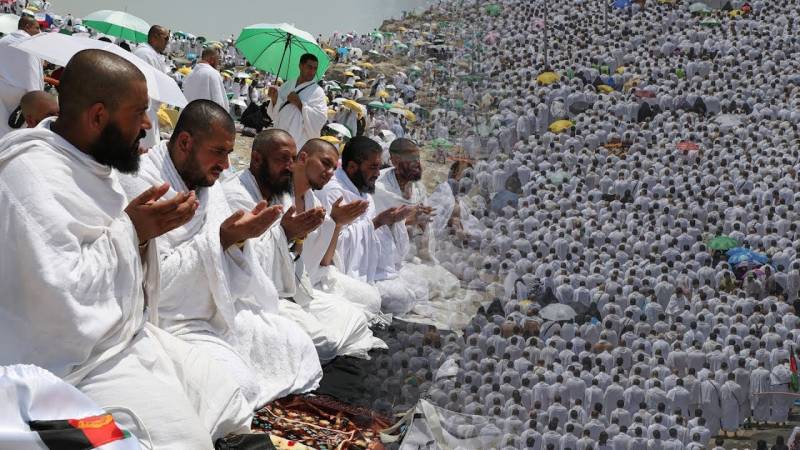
[(321, 422)]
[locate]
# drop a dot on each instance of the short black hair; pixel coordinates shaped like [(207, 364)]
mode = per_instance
[(358, 149), (308, 57), (199, 117)]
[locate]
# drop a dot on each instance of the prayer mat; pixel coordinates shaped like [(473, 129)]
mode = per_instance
[(321, 422)]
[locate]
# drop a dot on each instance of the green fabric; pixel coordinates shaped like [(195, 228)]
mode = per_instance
[(119, 31), (278, 51)]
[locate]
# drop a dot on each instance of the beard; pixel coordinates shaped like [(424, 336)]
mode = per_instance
[(276, 186), (362, 184), (111, 149)]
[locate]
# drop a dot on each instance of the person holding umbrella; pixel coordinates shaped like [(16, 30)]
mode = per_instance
[(298, 106), (153, 53)]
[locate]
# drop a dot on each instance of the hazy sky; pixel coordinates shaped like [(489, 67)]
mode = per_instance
[(217, 19)]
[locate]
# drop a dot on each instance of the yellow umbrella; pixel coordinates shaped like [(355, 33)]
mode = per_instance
[(248, 81), (354, 106), (333, 140), (383, 94), (360, 84), (410, 115), (620, 70), (560, 126), (330, 52), (735, 13), (546, 78), (331, 112), (167, 117), (605, 89), (367, 65), (349, 74), (402, 29), (185, 70)]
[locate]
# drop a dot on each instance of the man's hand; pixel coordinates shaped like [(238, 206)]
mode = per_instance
[(392, 215), (152, 218), (344, 215), (272, 92), (297, 226), (294, 99), (421, 215), (243, 225)]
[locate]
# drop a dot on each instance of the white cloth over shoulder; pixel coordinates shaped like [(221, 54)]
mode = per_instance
[(336, 326), (20, 73), (302, 124), (222, 300), (149, 54), (74, 305), (205, 82)]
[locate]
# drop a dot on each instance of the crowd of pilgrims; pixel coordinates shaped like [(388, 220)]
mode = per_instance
[(683, 128)]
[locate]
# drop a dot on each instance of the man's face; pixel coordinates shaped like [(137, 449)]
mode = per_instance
[(275, 171), (320, 167), (366, 174), (33, 29), (308, 70), (208, 157), (160, 41), (117, 146), (407, 168)]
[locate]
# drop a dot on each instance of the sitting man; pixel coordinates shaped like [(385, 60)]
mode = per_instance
[(373, 246), (213, 293), (36, 106), (336, 326), (74, 288), (401, 185)]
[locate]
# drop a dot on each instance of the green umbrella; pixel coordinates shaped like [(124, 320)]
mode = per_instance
[(441, 142), (493, 9), (699, 8), (119, 24), (710, 22), (723, 243), (277, 48), (379, 105)]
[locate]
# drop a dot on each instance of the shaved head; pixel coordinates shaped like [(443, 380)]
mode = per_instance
[(315, 146), (199, 119), (112, 76), (271, 139), (158, 37), (28, 24), (272, 160), (36, 106)]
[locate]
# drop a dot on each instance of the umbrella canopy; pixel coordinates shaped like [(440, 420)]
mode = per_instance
[(379, 105), (493, 9), (560, 126), (546, 78), (557, 312), (710, 22), (60, 48), (119, 24), (441, 143), (367, 65), (620, 4), (339, 128), (688, 146), (277, 48), (8, 23), (605, 89), (699, 7), (738, 255), (723, 243)]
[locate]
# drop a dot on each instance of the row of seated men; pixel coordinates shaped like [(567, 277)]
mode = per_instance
[(149, 283)]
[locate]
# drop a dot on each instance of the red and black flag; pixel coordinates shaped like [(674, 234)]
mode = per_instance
[(78, 434)]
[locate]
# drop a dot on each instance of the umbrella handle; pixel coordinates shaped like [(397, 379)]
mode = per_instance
[(285, 48)]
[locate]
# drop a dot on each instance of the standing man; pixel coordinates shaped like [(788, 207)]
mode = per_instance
[(20, 72), (205, 81), (153, 53), (299, 105)]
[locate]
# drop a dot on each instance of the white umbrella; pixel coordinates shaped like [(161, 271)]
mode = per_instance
[(341, 129), (557, 312), (8, 23), (60, 48)]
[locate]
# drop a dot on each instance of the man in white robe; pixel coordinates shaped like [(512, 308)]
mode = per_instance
[(35, 106), (205, 81), (77, 302), (401, 185), (299, 106), (371, 248), (336, 326), (20, 72), (153, 53), (213, 292)]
